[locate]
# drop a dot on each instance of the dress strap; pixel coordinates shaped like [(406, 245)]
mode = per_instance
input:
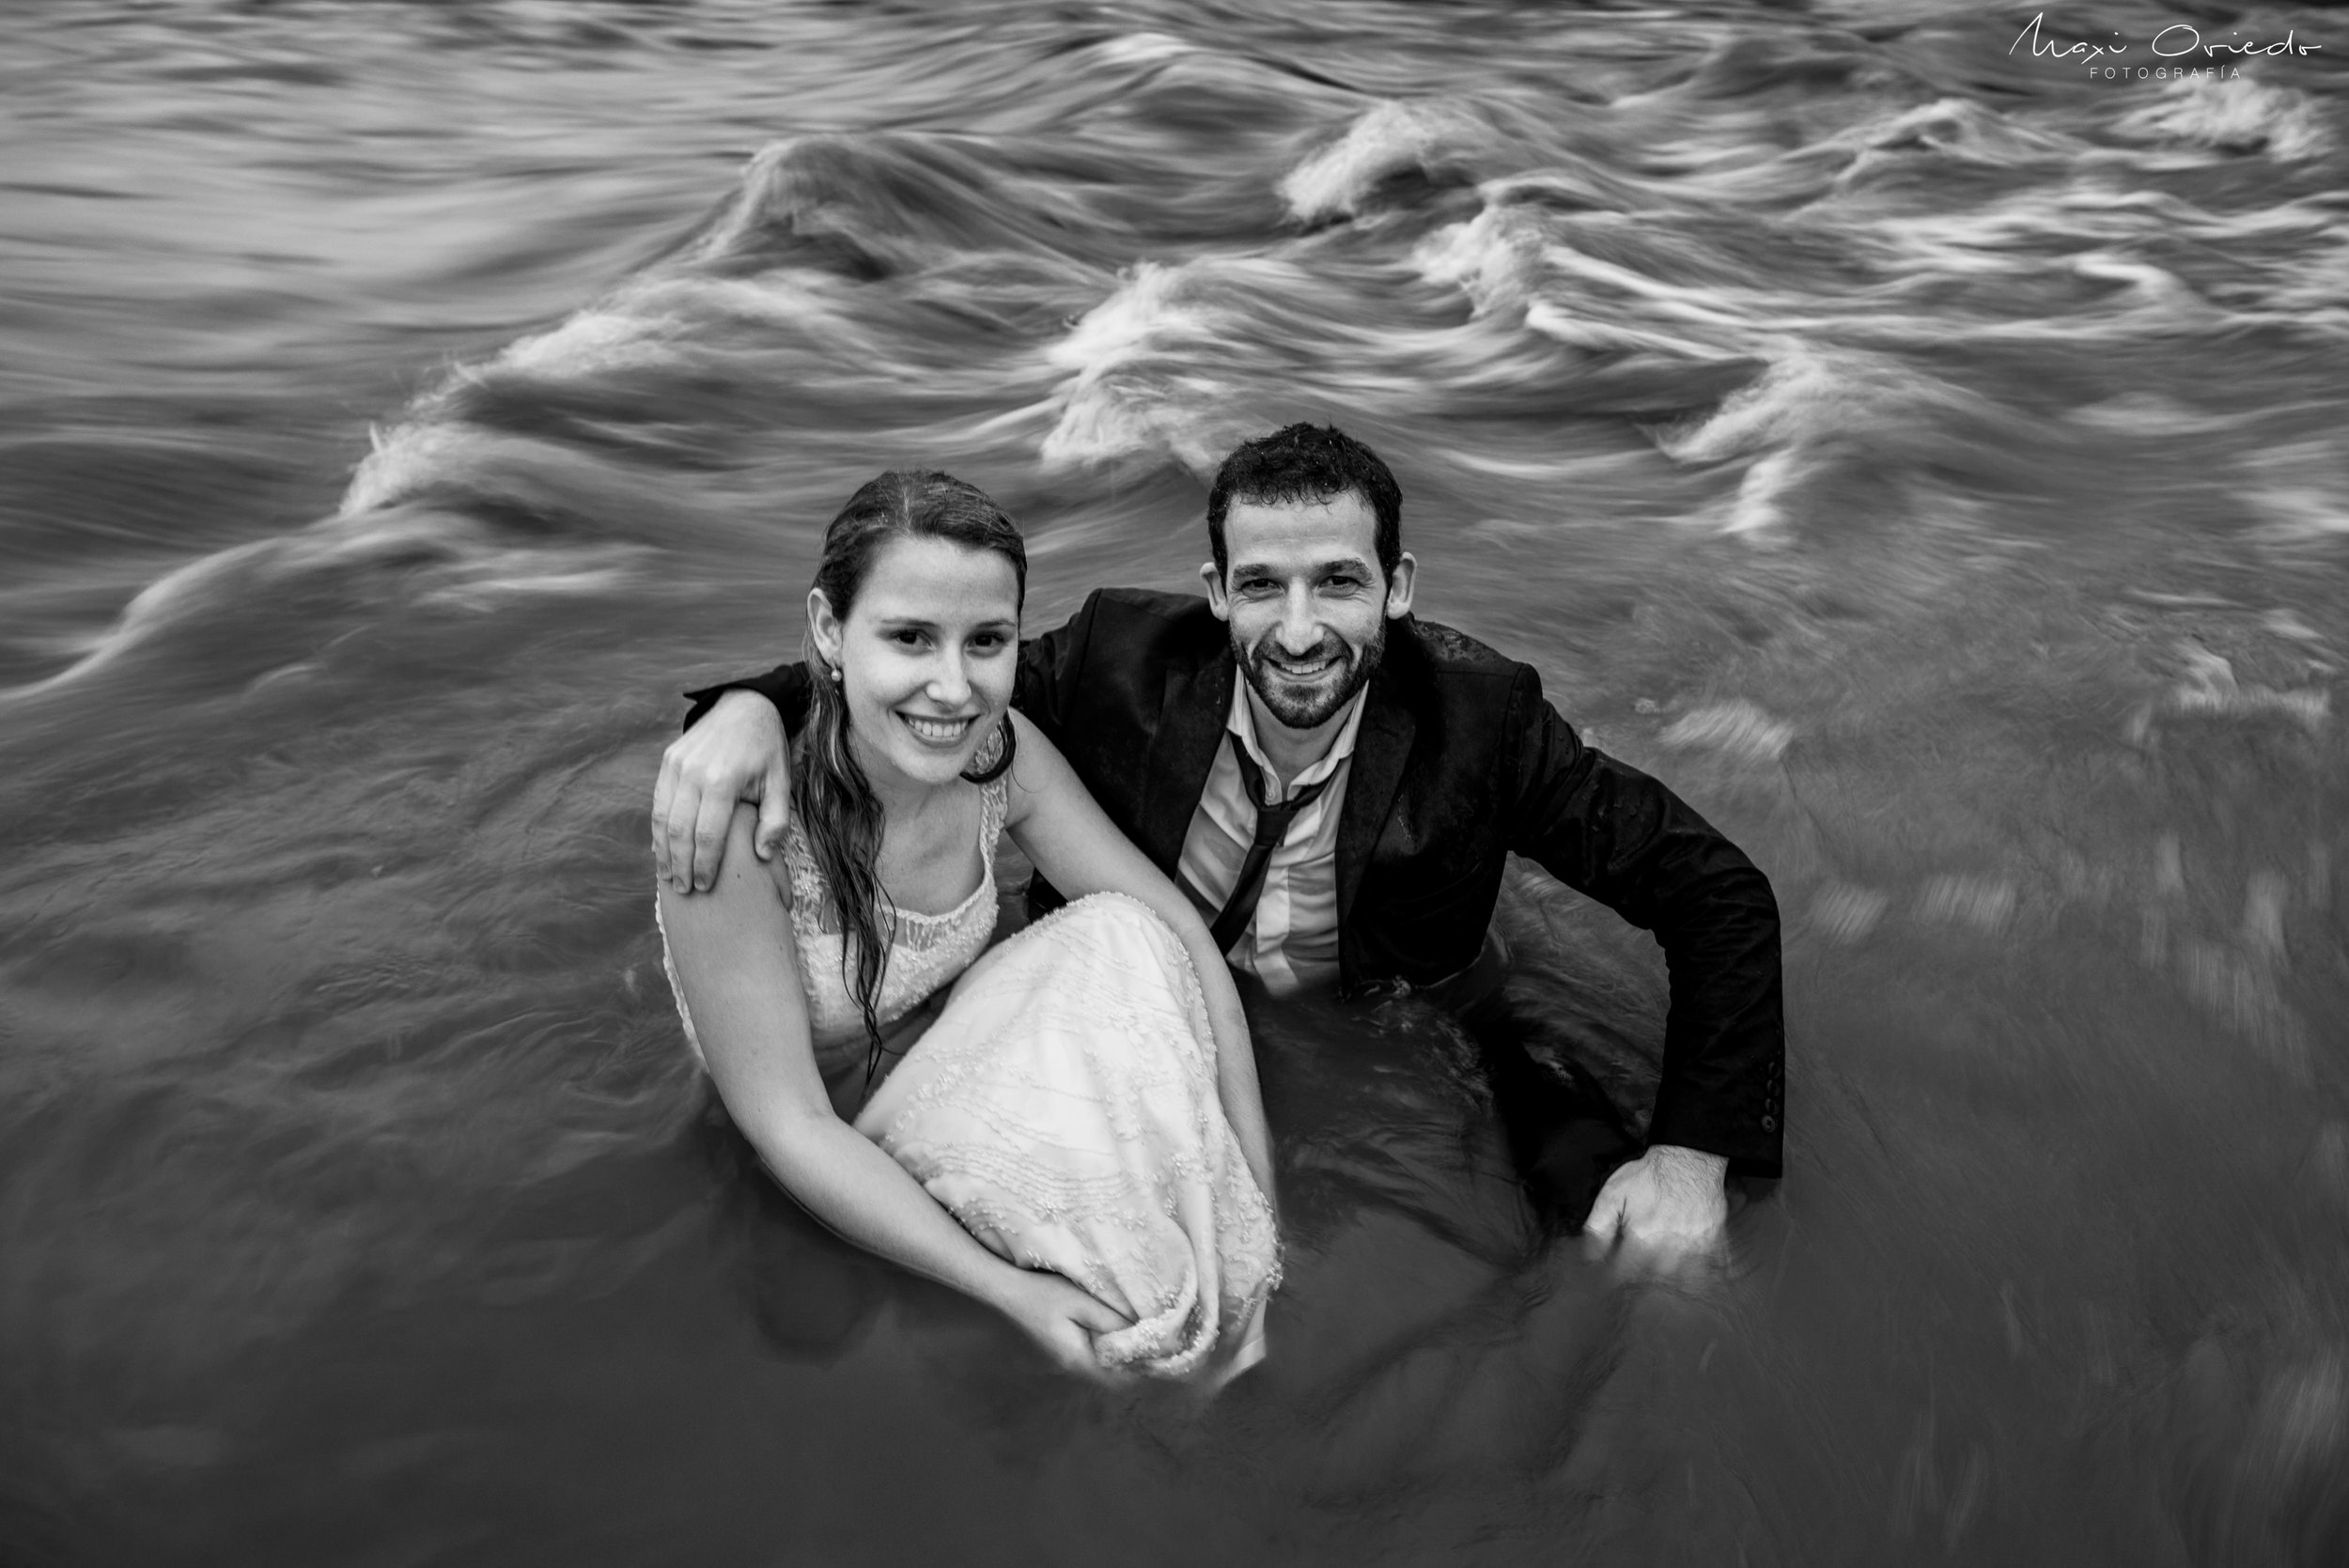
[(994, 806)]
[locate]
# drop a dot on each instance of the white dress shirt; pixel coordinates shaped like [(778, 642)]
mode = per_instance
[(1292, 941)]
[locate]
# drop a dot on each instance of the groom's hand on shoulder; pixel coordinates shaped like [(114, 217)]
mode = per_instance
[(736, 752)]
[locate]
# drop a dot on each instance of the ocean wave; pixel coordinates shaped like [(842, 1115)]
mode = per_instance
[(2238, 113), (1142, 377), (881, 204), (1434, 139), (270, 603), (1817, 410), (1492, 259), (1954, 128), (1811, 394), (1773, 290)]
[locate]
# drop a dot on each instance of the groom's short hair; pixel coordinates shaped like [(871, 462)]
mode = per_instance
[(1307, 462)]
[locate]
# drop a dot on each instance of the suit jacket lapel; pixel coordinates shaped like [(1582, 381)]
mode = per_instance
[(1381, 746), (1182, 753)]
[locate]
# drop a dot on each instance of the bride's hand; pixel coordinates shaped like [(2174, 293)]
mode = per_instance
[(1063, 1319)]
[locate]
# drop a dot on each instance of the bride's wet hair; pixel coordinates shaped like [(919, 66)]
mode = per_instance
[(830, 797)]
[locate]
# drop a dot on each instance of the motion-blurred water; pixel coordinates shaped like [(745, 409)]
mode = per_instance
[(1927, 456)]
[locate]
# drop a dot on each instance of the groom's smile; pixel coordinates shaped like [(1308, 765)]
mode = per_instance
[(1303, 691), (1302, 671), (1306, 603)]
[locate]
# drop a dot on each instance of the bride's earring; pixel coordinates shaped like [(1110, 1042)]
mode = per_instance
[(993, 757)]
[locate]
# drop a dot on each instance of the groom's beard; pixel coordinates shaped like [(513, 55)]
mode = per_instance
[(1301, 707)]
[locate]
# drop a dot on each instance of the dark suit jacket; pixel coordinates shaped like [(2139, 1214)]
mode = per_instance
[(1458, 762)]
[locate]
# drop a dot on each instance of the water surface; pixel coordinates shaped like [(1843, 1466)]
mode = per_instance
[(1925, 457)]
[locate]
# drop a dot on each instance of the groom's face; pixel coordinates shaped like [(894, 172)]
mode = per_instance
[(1306, 603)]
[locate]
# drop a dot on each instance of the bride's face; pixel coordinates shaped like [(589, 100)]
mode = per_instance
[(926, 654)]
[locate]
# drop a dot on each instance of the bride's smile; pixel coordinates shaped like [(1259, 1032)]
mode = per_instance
[(926, 658), (939, 732)]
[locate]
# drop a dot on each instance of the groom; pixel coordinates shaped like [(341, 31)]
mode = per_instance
[(1338, 786)]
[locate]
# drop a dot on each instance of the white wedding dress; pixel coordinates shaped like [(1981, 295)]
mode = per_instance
[(1063, 1105)]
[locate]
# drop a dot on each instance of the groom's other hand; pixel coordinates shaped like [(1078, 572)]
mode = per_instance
[(1670, 1200), (735, 753)]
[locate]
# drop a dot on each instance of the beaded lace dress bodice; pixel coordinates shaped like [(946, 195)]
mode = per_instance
[(924, 952)]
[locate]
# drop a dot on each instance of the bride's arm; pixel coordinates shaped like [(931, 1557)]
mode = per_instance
[(734, 957), (1057, 824)]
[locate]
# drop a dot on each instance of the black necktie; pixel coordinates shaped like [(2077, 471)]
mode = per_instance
[(1272, 826)]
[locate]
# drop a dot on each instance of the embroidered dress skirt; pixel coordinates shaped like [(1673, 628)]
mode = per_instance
[(1064, 1109)]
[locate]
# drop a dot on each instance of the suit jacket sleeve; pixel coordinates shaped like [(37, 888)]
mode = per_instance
[(785, 686), (1049, 666), (1609, 831)]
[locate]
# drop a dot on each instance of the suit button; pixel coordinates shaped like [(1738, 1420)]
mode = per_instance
[(1769, 1124)]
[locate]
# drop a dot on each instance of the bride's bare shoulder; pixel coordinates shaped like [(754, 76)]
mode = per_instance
[(1038, 771)]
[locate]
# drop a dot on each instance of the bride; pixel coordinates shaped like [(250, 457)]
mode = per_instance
[(1072, 1133)]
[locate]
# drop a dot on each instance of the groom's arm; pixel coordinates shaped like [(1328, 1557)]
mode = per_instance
[(1051, 669), (785, 686), (740, 750), (1608, 829), (740, 755)]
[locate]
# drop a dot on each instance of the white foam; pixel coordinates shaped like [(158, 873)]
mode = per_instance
[(2300, 511), (417, 457), (1141, 49), (2302, 490), (1985, 903), (1762, 495), (2150, 414), (1845, 912), (2237, 114), (1809, 410), (1810, 394), (399, 464), (1736, 729), (2211, 688), (1491, 257), (1387, 138), (1148, 305), (1137, 385), (590, 342), (662, 318)]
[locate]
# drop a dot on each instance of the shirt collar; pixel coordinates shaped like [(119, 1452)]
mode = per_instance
[(1242, 724)]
